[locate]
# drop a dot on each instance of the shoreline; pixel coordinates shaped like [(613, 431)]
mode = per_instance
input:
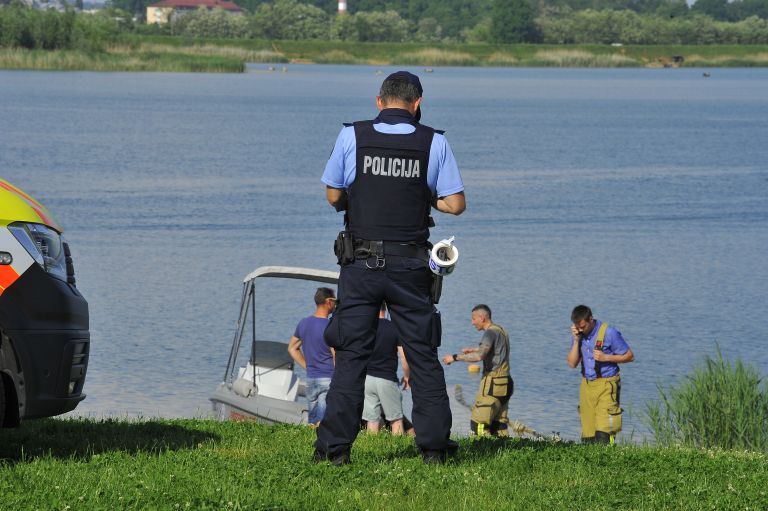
[(175, 54)]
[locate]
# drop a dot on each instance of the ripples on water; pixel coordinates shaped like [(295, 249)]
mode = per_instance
[(639, 192)]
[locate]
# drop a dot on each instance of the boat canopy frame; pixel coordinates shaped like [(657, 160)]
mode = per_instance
[(248, 302)]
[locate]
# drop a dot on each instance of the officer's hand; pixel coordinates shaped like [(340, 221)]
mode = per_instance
[(599, 356), (575, 332), (406, 383), (448, 360)]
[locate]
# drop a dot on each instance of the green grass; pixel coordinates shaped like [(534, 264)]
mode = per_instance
[(197, 464)]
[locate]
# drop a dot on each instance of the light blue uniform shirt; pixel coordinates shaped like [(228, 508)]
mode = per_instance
[(613, 344), (443, 175)]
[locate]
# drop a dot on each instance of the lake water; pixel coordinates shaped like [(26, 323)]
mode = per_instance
[(642, 193)]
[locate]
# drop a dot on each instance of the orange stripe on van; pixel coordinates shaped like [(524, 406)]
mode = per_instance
[(7, 277), (8, 186)]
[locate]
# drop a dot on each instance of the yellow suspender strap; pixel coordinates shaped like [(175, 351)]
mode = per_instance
[(601, 336)]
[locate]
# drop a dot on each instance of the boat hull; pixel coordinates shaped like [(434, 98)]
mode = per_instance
[(266, 410)]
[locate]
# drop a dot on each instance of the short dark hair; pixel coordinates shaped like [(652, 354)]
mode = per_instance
[(322, 294), (482, 307), (397, 87), (581, 312)]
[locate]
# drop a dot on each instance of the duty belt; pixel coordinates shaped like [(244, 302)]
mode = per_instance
[(365, 249)]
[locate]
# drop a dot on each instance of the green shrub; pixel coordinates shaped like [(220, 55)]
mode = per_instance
[(24, 27), (719, 405), (95, 32)]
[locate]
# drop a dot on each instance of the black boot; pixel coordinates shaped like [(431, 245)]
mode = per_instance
[(601, 437), (338, 459), (440, 456), (587, 440)]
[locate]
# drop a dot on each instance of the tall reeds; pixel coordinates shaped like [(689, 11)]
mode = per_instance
[(336, 57), (127, 60), (747, 60), (435, 57), (207, 50), (502, 59), (720, 405), (579, 58)]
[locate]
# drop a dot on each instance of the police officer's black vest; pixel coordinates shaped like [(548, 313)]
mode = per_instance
[(389, 198)]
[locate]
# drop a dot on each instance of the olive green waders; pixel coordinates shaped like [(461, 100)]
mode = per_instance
[(489, 413), (599, 408)]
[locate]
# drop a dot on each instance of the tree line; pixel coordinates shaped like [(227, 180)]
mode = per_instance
[(506, 21), (457, 15), (24, 27)]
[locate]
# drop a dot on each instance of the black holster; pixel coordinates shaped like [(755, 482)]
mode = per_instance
[(437, 288), (344, 248), (437, 330)]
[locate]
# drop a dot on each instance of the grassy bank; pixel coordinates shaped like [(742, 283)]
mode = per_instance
[(193, 464), (177, 54), (522, 55)]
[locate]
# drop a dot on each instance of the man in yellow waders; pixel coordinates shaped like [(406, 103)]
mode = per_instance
[(599, 348), (489, 413)]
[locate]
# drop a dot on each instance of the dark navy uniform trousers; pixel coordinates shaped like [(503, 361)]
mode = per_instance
[(404, 283)]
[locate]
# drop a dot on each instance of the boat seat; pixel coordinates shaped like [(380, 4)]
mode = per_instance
[(272, 354)]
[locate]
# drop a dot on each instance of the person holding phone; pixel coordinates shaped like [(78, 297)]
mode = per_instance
[(599, 349)]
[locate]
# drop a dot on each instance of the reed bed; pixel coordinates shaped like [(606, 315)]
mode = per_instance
[(754, 60), (336, 57), (502, 59), (208, 50), (579, 58), (125, 59), (33, 59), (436, 57), (720, 405)]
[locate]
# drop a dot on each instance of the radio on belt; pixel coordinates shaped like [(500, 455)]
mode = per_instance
[(443, 257)]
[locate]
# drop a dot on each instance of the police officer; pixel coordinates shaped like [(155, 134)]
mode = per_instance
[(387, 174)]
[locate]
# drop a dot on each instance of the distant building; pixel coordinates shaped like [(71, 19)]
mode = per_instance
[(167, 10), (43, 5)]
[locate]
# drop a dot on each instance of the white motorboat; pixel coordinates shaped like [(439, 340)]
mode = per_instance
[(266, 389)]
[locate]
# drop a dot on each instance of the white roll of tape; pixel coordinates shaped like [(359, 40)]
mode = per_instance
[(443, 257)]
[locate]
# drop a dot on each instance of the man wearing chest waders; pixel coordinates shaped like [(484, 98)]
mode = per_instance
[(489, 413), (600, 349), (387, 174)]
